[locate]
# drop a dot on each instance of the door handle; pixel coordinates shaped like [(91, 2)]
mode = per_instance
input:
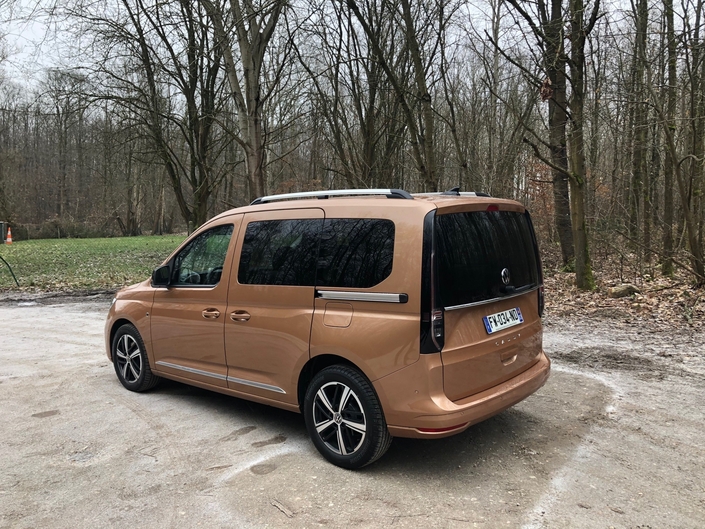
[(240, 315), (211, 314), (508, 357), (509, 360)]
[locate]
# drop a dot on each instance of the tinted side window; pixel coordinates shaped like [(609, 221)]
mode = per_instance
[(472, 250), (201, 260), (280, 252), (355, 253)]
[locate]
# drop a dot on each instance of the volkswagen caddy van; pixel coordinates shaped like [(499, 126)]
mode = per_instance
[(374, 313)]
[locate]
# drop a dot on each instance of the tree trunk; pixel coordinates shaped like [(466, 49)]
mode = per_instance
[(697, 111), (690, 222), (649, 200), (638, 191), (255, 157), (578, 175), (667, 263), (558, 120), (253, 32)]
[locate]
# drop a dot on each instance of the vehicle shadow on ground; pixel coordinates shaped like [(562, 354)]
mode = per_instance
[(493, 471), (535, 435), (259, 458), (240, 410), (498, 439), (537, 432)]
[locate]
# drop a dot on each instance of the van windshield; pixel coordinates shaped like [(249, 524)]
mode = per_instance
[(484, 255)]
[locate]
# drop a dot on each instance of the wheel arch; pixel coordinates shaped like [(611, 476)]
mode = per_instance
[(114, 329), (314, 366)]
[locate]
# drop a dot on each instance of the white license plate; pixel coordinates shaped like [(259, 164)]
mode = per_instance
[(502, 320)]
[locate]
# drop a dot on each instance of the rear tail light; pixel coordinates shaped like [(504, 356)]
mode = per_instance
[(432, 330), (541, 301), (493, 207)]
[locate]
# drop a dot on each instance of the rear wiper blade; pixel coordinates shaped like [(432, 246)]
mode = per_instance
[(510, 289)]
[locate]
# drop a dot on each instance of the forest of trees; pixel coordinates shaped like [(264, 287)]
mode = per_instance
[(591, 114)]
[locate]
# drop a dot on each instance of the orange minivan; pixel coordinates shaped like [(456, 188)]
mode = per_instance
[(374, 313)]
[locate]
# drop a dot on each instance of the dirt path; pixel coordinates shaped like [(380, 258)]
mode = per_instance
[(615, 438)]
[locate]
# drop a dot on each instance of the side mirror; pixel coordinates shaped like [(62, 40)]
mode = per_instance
[(161, 277)]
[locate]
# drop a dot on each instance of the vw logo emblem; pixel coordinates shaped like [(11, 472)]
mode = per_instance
[(505, 276)]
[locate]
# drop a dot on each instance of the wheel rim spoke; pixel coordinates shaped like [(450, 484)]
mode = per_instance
[(134, 373), (341, 443), (324, 425), (357, 427), (324, 399), (344, 399)]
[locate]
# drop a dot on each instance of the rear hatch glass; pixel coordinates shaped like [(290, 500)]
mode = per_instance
[(483, 255), (487, 267)]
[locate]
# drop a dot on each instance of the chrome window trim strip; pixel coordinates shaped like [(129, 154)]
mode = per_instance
[(493, 300), (379, 297), (259, 385), (192, 370)]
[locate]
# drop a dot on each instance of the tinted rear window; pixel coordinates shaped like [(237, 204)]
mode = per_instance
[(280, 252), (472, 250), (355, 253)]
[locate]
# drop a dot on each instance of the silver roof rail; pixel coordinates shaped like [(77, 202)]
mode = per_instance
[(455, 192), (389, 193), (443, 193)]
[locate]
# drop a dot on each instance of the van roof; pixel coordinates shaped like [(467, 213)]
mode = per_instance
[(381, 198)]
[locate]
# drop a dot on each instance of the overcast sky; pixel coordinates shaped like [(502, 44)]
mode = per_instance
[(28, 42)]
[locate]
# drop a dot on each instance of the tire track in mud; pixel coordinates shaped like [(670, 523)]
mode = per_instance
[(560, 480), (168, 441), (175, 453), (637, 464)]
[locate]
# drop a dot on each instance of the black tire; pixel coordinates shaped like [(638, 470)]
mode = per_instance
[(130, 360), (357, 423)]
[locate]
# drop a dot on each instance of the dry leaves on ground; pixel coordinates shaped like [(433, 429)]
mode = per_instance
[(661, 302)]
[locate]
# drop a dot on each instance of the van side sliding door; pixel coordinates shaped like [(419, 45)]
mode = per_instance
[(271, 301)]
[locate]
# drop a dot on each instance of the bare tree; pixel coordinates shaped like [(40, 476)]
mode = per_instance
[(547, 29), (670, 114), (580, 28), (64, 91), (248, 27), (159, 62), (421, 33), (548, 32), (353, 97)]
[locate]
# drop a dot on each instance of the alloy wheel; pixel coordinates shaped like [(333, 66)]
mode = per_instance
[(339, 418), (129, 358)]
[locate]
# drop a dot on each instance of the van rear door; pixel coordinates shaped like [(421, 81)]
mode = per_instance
[(488, 281)]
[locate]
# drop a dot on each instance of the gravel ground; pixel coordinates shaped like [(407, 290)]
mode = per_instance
[(614, 439)]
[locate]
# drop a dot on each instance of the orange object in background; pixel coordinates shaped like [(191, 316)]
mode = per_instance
[(9, 236)]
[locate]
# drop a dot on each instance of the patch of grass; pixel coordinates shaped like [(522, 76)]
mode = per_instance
[(83, 264)]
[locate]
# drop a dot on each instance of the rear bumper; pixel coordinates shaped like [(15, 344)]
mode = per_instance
[(413, 398)]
